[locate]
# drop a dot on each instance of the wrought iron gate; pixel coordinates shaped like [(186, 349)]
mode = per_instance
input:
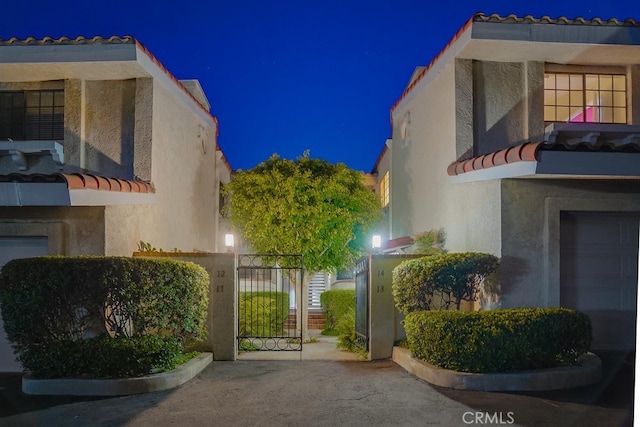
[(362, 303), (269, 304)]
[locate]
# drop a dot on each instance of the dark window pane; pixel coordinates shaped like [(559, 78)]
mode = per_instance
[(32, 115)]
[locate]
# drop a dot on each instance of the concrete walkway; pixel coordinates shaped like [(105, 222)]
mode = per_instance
[(321, 348)]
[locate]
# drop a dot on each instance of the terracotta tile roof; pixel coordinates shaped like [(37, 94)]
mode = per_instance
[(398, 242), (563, 20), (528, 152), (79, 181), (67, 40), (513, 19)]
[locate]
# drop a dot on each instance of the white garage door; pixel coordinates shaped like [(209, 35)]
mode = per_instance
[(599, 274), (12, 248)]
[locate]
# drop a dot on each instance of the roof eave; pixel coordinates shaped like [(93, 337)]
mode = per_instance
[(561, 165)]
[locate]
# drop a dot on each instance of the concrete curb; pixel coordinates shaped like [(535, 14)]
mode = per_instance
[(588, 372), (117, 387)]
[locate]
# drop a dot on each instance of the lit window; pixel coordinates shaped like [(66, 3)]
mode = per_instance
[(585, 98), (32, 115), (384, 189)]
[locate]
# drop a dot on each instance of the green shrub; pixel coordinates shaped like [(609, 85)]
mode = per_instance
[(346, 328), (335, 304), (498, 340), (102, 357), (67, 298), (429, 242), (138, 311), (262, 314), (441, 280)]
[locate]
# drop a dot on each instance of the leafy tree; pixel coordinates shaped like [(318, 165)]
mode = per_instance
[(305, 206)]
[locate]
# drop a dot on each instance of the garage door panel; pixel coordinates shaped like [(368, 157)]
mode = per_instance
[(629, 267), (583, 265), (613, 329), (599, 273), (584, 232), (593, 299)]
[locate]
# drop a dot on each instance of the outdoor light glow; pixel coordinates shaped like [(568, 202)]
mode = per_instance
[(376, 242), (228, 240)]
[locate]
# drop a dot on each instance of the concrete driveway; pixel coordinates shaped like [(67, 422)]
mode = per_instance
[(319, 393)]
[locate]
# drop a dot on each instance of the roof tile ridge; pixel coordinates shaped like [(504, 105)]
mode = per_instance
[(62, 40), (524, 152), (561, 20), (79, 180)]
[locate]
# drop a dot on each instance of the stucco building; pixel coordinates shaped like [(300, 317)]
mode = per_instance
[(101, 147), (522, 139)]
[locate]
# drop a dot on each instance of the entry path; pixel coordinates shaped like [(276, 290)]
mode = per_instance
[(317, 393), (322, 348), (262, 393)]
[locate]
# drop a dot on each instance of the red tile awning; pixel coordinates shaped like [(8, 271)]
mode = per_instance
[(76, 189), (578, 151)]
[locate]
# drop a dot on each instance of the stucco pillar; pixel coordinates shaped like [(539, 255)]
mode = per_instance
[(142, 154), (534, 93), (464, 108), (73, 125)]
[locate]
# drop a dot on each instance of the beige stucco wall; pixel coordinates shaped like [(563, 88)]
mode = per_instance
[(183, 171), (422, 195), (530, 272), (507, 103), (100, 125)]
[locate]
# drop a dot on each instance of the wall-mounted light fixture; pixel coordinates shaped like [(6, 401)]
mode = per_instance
[(228, 240), (376, 242)]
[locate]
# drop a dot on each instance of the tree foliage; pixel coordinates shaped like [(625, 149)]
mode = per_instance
[(307, 206), (430, 242)]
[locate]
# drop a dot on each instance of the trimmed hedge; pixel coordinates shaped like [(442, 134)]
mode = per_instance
[(103, 316), (335, 305), (262, 314), (440, 281), (499, 340), (102, 357), (68, 298)]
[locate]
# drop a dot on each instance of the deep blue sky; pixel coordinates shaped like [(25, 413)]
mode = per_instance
[(285, 76)]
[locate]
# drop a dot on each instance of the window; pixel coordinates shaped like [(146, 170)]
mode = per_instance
[(384, 189), (32, 115), (590, 98)]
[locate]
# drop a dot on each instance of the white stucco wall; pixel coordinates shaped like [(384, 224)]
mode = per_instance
[(422, 195)]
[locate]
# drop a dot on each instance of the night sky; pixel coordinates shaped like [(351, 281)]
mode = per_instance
[(286, 76)]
